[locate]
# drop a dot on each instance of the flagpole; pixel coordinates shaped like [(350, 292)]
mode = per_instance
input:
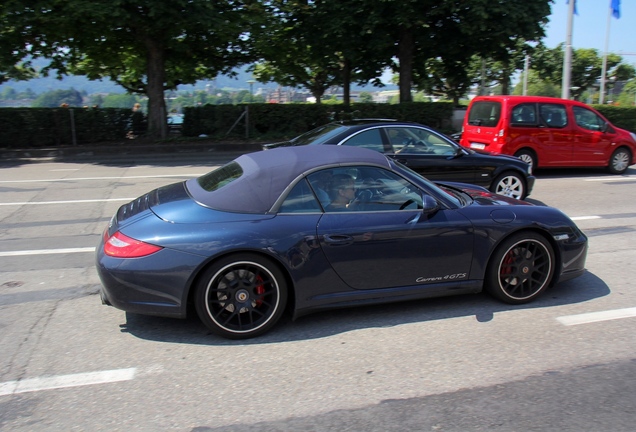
[(567, 59), (601, 97)]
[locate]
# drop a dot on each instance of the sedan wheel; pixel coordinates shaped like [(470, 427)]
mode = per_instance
[(509, 184), (241, 296), (620, 160), (521, 268)]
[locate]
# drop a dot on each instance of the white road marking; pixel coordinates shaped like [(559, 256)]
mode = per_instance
[(66, 202), (611, 179), (101, 178), (586, 318), (65, 381), (46, 251), (580, 218)]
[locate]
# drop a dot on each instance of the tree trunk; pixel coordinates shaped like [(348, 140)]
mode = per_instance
[(346, 83), (157, 116), (405, 57)]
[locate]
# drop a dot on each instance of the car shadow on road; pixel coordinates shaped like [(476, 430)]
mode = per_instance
[(329, 323)]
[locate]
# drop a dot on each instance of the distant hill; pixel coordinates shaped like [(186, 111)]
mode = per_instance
[(80, 83)]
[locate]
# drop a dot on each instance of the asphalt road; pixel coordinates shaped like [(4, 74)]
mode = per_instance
[(564, 363)]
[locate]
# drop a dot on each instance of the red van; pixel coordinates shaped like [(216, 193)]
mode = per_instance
[(547, 132)]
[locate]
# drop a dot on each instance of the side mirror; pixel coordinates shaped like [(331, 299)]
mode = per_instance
[(430, 206)]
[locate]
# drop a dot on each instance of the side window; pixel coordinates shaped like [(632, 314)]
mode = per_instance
[(300, 199), (370, 139), (365, 189), (553, 115), (587, 119), (411, 140), (524, 115)]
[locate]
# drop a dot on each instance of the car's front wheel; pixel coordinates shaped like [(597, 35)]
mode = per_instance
[(510, 184), (521, 268), (241, 296), (620, 160)]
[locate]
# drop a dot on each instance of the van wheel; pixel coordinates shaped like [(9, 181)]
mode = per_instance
[(528, 157), (509, 184), (619, 162)]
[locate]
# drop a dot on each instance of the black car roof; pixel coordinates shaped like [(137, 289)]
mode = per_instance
[(267, 173)]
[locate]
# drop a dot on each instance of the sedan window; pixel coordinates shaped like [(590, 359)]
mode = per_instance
[(410, 140), (370, 139)]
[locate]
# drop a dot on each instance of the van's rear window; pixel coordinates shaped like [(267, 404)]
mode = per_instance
[(484, 114)]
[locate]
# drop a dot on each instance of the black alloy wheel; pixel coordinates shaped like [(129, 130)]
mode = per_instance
[(521, 268), (241, 296)]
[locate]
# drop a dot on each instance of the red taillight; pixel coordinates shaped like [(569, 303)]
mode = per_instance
[(121, 246)]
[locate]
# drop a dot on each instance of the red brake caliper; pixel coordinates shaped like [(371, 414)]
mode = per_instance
[(260, 290)]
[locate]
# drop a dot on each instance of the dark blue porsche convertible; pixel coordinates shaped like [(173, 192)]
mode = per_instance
[(301, 229)]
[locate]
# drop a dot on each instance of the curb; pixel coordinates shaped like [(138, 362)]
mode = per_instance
[(121, 152)]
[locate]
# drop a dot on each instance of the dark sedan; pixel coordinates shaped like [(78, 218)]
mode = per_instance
[(307, 228), (430, 153)]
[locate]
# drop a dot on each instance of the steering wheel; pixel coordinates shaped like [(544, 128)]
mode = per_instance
[(407, 203)]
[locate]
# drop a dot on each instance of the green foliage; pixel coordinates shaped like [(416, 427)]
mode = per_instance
[(622, 117), (58, 98), (46, 127), (628, 95), (284, 121), (586, 70)]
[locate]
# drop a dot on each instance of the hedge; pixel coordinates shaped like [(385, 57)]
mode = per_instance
[(275, 121), (55, 127)]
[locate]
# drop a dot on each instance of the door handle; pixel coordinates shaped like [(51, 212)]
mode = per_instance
[(338, 239)]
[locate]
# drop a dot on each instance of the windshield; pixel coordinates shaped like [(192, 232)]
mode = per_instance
[(454, 198), (320, 135)]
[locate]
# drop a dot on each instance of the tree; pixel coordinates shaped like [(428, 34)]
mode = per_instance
[(146, 46), (318, 45), (586, 70), (56, 98), (453, 31)]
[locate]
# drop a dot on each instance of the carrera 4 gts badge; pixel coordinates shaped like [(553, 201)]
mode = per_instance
[(441, 278)]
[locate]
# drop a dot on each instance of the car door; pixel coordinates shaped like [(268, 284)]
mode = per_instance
[(431, 154), (555, 135), (592, 139), (391, 242)]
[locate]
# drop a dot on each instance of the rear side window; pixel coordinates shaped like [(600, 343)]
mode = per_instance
[(484, 114), (553, 115), (300, 200), (370, 139), (524, 115), (220, 177)]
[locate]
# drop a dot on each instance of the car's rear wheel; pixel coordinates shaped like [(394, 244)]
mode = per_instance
[(528, 157), (521, 268), (620, 160), (241, 296), (510, 184)]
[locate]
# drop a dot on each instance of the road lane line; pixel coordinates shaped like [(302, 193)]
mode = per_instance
[(102, 178), (46, 251), (65, 381), (612, 179), (586, 318), (66, 202), (580, 218)]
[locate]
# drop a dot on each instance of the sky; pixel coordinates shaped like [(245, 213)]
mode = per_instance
[(590, 27)]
